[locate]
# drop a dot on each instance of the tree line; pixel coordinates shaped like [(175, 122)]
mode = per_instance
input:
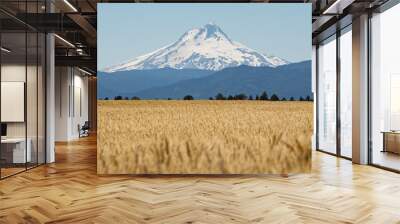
[(263, 96)]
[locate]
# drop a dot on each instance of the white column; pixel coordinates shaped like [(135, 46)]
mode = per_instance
[(360, 90), (50, 99)]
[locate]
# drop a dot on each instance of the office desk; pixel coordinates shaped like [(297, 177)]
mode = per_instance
[(391, 141), (13, 150)]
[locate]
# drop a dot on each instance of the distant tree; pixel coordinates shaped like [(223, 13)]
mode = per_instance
[(126, 98), (135, 98), (169, 98), (240, 96), (274, 97), (283, 99), (188, 97), (291, 98), (220, 96), (308, 98), (264, 96), (211, 98), (257, 97), (118, 98), (301, 98), (230, 97), (106, 98), (250, 97)]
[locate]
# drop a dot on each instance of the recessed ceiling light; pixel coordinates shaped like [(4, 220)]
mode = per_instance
[(70, 5), (64, 40), (337, 7), (5, 50), (84, 71)]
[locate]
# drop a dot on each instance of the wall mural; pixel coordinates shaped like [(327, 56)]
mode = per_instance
[(210, 88)]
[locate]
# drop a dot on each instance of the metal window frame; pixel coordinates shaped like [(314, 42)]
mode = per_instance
[(387, 5), (339, 32), (381, 9)]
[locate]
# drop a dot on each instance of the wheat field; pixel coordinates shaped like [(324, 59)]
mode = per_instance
[(203, 137)]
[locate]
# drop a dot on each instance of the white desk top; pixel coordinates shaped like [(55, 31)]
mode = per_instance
[(13, 140)]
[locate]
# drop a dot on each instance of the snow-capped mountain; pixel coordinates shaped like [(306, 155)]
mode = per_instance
[(206, 48)]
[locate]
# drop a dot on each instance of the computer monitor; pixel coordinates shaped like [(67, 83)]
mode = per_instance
[(3, 129)]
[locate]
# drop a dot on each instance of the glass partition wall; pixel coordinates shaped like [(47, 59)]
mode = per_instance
[(334, 94), (22, 77), (327, 95), (385, 89), (345, 61)]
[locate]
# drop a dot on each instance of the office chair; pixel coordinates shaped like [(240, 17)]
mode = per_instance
[(84, 130)]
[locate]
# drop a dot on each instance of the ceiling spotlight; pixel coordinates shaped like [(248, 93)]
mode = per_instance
[(5, 50), (79, 51)]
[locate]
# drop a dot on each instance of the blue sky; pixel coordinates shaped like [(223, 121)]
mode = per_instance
[(129, 30)]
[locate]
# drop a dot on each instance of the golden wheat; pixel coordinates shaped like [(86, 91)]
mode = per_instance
[(204, 137)]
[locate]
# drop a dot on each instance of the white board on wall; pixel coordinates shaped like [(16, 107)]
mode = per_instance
[(12, 101)]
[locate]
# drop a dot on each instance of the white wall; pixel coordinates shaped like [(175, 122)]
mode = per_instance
[(62, 82), (17, 73), (9, 73), (33, 126), (71, 87), (80, 110)]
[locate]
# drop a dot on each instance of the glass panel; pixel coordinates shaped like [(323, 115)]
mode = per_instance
[(41, 99), (13, 87), (31, 100), (23, 90), (32, 90), (346, 93), (385, 84), (327, 96)]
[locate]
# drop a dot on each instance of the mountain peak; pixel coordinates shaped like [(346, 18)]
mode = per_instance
[(212, 27), (208, 31), (212, 30), (206, 48)]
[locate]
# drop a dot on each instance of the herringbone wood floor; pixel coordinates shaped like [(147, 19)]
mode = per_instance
[(69, 191)]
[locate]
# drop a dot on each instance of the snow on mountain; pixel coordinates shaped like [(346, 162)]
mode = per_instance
[(207, 48), (277, 61)]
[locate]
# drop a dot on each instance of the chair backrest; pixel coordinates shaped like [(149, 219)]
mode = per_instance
[(86, 125)]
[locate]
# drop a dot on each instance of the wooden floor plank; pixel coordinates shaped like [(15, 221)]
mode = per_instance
[(70, 191)]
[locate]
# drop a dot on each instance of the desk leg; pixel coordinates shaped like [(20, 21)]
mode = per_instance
[(384, 142)]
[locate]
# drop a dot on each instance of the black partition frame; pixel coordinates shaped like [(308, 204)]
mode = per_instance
[(340, 30), (27, 29)]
